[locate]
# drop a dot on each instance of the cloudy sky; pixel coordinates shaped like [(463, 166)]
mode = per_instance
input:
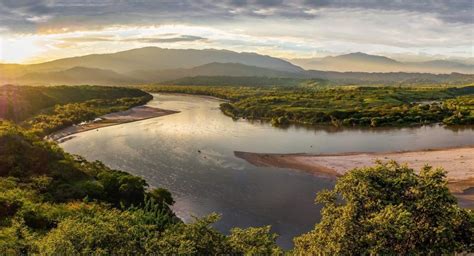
[(39, 30)]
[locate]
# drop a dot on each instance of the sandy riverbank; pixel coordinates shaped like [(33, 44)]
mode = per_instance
[(458, 163), (131, 115)]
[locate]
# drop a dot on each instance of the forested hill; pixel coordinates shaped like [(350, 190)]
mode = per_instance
[(18, 103)]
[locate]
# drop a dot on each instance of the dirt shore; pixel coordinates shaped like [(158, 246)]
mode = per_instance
[(131, 115), (458, 163)]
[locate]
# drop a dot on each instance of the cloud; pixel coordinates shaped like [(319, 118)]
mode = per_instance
[(86, 39), (165, 38), (274, 27), (24, 15), (183, 38)]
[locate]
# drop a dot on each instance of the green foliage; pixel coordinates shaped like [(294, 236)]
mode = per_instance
[(161, 195), (389, 209), (15, 239), (105, 232), (198, 238), (342, 106), (60, 176), (243, 81), (18, 103), (254, 241), (66, 115)]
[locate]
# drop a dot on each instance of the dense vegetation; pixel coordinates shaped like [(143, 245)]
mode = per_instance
[(21, 102), (47, 109), (54, 203), (388, 209), (342, 106), (248, 81)]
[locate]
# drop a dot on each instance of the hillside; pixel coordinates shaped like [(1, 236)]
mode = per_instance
[(18, 103), (247, 81), (391, 78), (211, 69), (78, 76)]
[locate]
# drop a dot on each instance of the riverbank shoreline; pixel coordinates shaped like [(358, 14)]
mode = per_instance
[(457, 162), (116, 118), (204, 96)]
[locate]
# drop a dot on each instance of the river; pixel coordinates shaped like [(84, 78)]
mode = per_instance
[(192, 155)]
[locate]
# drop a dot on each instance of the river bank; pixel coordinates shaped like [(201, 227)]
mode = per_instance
[(131, 115), (457, 162)]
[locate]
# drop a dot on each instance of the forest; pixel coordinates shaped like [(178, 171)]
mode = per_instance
[(344, 106), (247, 81), (55, 203), (48, 109)]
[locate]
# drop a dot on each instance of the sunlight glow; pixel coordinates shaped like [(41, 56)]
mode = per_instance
[(20, 49)]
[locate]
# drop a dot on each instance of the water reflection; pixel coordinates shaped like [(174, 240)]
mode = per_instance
[(192, 154), (334, 129)]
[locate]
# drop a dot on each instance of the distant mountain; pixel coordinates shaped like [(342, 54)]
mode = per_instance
[(361, 62), (154, 58), (211, 69), (79, 76), (361, 57), (154, 65), (237, 73), (391, 78), (232, 73)]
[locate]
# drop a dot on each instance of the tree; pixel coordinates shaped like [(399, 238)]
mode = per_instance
[(389, 209), (162, 196), (98, 231), (254, 241), (197, 238)]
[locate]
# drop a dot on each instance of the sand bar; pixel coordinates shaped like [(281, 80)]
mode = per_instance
[(458, 163), (131, 115)]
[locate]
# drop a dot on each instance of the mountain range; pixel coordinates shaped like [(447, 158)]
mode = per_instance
[(362, 62), (158, 65)]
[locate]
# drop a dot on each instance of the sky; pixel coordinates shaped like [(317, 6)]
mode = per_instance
[(34, 31)]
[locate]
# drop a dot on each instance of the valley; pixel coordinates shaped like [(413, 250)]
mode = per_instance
[(191, 153), (236, 127)]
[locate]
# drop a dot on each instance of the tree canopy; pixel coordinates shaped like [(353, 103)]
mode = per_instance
[(389, 209)]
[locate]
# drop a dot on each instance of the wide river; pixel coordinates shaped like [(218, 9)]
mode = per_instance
[(192, 155)]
